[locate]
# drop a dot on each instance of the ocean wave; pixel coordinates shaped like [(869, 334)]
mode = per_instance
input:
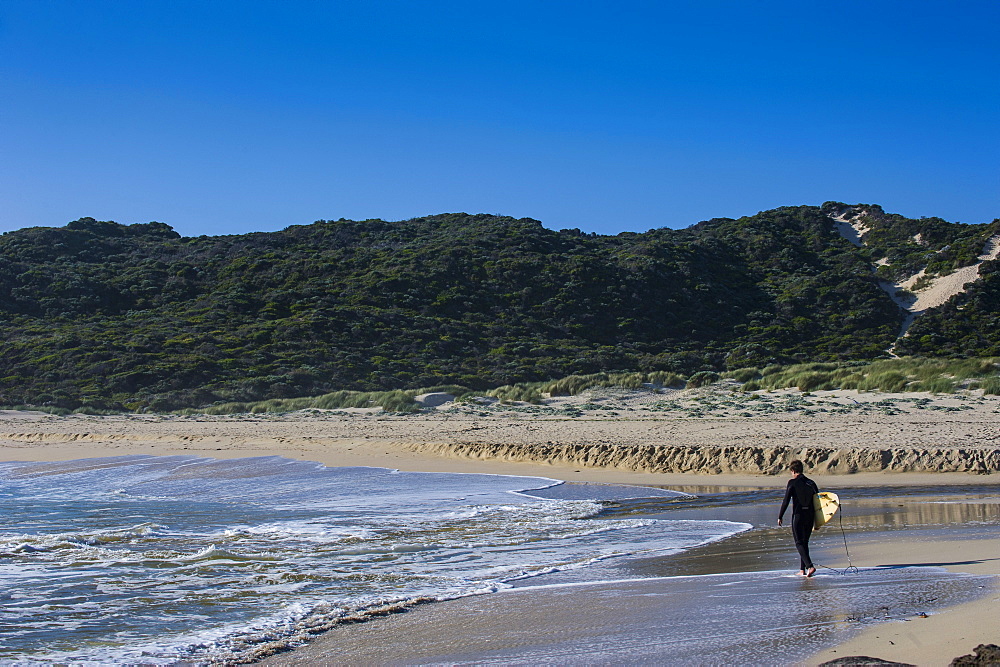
[(176, 558)]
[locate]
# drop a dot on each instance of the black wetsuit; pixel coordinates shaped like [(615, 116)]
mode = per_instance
[(800, 491)]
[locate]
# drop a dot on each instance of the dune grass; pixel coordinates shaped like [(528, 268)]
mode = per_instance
[(937, 376), (534, 392), (400, 400), (62, 412)]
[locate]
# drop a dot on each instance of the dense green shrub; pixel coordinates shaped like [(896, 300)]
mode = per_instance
[(702, 378), (101, 316)]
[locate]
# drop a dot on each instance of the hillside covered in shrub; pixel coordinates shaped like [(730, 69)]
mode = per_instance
[(136, 317)]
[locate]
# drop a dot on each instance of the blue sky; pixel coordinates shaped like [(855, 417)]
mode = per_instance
[(229, 117)]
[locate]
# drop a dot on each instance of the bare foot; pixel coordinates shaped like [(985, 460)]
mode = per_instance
[(802, 573), (811, 572)]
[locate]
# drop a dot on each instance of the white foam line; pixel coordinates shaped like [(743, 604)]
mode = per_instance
[(200, 459), (784, 574), (680, 494), (397, 471), (608, 582)]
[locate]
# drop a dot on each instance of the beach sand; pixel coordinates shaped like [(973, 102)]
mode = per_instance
[(510, 625)]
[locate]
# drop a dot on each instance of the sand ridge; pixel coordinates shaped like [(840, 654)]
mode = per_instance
[(709, 431)]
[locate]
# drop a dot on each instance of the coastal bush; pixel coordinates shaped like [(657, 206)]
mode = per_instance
[(742, 374), (142, 319), (517, 393), (134, 317), (702, 379)]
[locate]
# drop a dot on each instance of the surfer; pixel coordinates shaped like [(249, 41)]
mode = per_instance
[(800, 491)]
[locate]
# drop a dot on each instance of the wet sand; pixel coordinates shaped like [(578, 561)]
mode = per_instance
[(678, 609)]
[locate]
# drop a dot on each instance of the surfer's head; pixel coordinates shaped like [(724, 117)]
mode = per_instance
[(796, 466)]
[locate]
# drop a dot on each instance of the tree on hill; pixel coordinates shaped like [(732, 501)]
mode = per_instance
[(137, 317)]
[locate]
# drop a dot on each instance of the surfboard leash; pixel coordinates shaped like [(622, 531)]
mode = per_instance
[(851, 568)]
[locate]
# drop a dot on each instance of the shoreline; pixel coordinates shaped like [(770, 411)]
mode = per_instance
[(541, 622), (426, 443), (940, 637)]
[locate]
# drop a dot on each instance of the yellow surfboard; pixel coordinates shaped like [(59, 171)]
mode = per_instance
[(826, 504)]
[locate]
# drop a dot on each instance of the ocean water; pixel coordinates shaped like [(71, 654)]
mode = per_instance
[(169, 559)]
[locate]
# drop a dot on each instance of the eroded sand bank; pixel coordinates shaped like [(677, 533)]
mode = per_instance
[(693, 432)]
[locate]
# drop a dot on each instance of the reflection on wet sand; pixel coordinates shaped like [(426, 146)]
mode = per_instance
[(737, 601)]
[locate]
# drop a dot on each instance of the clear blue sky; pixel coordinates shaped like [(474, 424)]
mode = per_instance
[(222, 117)]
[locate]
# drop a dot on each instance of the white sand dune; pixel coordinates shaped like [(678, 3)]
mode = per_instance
[(935, 292)]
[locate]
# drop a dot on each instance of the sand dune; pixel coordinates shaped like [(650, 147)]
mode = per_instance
[(936, 290)]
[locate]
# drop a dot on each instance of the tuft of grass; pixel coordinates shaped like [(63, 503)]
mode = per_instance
[(518, 393), (941, 385), (884, 380), (573, 385), (666, 379), (990, 385), (702, 379), (60, 412), (814, 381), (742, 374), (89, 410)]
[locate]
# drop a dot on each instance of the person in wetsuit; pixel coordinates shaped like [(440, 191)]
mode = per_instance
[(800, 491)]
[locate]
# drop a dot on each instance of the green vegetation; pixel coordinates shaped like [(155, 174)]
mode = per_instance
[(534, 392), (906, 246), (98, 316), (938, 376), (390, 401), (967, 324)]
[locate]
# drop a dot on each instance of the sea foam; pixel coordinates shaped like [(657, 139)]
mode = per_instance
[(157, 559)]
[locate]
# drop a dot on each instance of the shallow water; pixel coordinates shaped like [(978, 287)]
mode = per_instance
[(735, 601), (750, 618), (162, 559)]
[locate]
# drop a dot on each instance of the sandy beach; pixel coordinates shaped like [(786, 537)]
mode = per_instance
[(836, 432)]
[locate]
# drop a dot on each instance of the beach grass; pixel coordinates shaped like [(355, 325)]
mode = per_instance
[(573, 385), (935, 376), (400, 400)]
